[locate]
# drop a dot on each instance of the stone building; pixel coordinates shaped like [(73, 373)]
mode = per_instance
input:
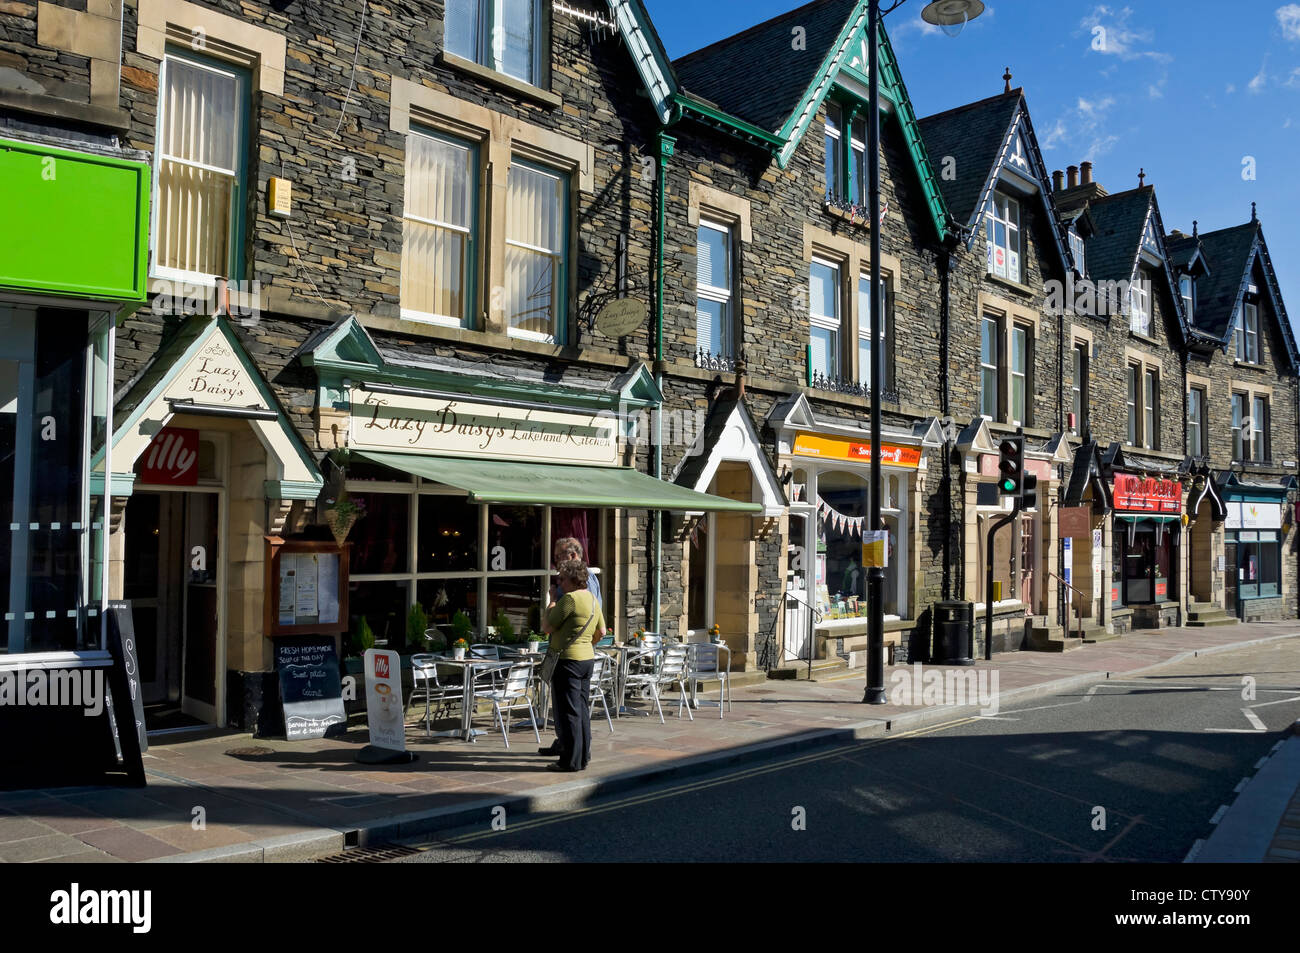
[(1240, 413)]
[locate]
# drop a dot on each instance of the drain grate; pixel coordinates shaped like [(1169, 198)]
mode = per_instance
[(370, 855), (254, 752)]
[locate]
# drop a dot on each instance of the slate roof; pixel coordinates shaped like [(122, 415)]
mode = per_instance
[(1112, 251), (1180, 249), (972, 135), (756, 75), (1216, 294)]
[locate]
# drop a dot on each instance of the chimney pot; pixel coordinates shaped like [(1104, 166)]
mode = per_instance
[(1072, 176), (1058, 180), (1085, 168)]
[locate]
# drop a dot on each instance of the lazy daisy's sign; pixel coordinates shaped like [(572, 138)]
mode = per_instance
[(470, 429)]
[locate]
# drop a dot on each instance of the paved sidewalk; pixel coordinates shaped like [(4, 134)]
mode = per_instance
[(270, 800)]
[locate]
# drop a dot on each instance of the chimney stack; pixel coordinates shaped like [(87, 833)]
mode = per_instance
[(1072, 175), (1086, 169), (1058, 180)]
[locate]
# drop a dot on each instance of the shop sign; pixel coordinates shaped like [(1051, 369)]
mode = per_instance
[(1162, 588), (311, 690), (1147, 495), (1075, 521), (1243, 514), (857, 451), (172, 458), (384, 714), (465, 428), (216, 375)]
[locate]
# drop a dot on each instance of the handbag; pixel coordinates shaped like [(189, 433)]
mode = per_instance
[(552, 659)]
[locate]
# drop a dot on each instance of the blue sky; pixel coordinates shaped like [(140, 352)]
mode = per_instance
[(1205, 96)]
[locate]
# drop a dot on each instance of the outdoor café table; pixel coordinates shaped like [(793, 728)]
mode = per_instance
[(627, 653), (468, 667)]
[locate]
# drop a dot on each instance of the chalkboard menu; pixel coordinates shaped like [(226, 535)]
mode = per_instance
[(124, 681), (310, 688)]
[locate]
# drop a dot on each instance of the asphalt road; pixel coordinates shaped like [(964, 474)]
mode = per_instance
[(1123, 771)]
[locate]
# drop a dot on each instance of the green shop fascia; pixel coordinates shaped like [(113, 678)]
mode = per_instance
[(469, 473), (73, 265)]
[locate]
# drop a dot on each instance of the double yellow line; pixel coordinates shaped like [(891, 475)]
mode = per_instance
[(689, 788)]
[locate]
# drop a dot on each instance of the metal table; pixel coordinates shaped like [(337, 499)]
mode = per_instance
[(468, 666), (626, 654)]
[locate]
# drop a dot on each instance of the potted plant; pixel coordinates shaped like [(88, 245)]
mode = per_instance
[(505, 628), (461, 627), (417, 624), (458, 649), (534, 641), (715, 634), (342, 513)]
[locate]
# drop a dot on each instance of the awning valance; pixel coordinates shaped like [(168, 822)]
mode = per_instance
[(506, 481), (1140, 518)]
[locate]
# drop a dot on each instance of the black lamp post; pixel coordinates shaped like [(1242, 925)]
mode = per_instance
[(950, 16)]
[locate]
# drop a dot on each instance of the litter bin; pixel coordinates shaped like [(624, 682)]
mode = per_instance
[(954, 628)]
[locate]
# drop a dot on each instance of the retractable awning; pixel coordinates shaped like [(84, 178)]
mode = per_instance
[(1154, 518), (509, 481)]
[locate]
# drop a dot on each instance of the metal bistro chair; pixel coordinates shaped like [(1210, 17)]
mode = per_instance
[(486, 650), (706, 666), (511, 696), (670, 671), (602, 686), (426, 688)]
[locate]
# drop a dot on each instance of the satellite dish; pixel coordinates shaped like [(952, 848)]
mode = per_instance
[(621, 317)]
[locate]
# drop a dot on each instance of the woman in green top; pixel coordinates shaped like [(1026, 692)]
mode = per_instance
[(576, 624)]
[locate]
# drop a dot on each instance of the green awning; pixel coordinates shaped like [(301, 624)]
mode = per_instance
[(509, 481), (1154, 518)]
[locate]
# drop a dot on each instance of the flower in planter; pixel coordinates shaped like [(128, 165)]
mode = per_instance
[(715, 632), (341, 514)]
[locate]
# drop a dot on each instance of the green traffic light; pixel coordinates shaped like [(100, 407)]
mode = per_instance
[(1008, 485)]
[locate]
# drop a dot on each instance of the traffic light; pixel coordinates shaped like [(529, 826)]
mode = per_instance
[(1029, 495), (1011, 466)]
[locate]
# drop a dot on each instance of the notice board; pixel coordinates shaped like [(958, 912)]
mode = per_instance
[(306, 587)]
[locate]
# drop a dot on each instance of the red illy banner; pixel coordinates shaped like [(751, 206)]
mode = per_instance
[(1148, 494), (172, 459)]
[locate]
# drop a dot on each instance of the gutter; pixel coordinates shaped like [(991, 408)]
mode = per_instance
[(665, 144)]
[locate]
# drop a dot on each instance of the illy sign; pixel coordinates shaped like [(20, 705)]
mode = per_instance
[(172, 459)]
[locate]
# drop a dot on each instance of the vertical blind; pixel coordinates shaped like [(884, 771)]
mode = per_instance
[(199, 136), (536, 207), (713, 287), (439, 229)]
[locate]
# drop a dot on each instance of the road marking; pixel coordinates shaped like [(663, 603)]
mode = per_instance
[(1254, 719), (1279, 701), (1218, 815), (1260, 763), (1241, 786)]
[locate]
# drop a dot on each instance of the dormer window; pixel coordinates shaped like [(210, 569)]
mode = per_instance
[(1077, 252), (1139, 297), (1002, 230), (503, 35), (1187, 289), (1149, 241), (1019, 157), (1247, 333)]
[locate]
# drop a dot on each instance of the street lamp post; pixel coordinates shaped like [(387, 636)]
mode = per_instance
[(946, 14)]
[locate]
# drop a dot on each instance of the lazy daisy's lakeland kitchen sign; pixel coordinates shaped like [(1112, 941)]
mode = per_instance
[(463, 428)]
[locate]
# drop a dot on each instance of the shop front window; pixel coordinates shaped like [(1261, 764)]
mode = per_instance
[(380, 539), (1258, 564), (48, 369), (448, 533), (839, 541)]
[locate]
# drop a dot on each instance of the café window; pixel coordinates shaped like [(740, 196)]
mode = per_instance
[(424, 543), (54, 385), (1258, 564)]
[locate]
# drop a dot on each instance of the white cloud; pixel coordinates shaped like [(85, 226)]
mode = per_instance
[(1110, 34), (1293, 81), (1231, 88), (1087, 128), (1288, 18), (1257, 84)]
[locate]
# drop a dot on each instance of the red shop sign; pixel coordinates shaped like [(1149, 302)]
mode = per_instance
[(172, 459), (1148, 495)]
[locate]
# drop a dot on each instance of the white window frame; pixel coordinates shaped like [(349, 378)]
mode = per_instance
[(1079, 385), (471, 247), (1150, 408), (1139, 297), (1079, 250), (238, 174), (561, 316), (987, 321), (1240, 409), (825, 322), (1025, 334), (999, 213), (1248, 333), (722, 296), (864, 328), (1187, 290), (1258, 428), (857, 147), (1196, 421), (1132, 399), (832, 162), (489, 49)]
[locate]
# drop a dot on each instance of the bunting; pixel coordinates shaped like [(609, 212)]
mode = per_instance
[(838, 521)]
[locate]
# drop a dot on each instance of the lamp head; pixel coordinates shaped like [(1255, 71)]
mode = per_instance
[(951, 15)]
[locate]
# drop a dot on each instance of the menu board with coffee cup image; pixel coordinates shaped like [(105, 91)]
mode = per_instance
[(384, 709)]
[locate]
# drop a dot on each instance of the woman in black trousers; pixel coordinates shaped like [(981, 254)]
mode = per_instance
[(576, 624)]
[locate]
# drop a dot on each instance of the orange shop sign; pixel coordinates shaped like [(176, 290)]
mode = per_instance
[(1148, 494), (858, 451)]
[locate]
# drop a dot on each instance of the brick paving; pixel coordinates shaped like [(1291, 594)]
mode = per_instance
[(293, 800)]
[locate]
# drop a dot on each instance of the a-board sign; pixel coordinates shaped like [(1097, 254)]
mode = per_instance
[(124, 683), (311, 690), (384, 710)]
